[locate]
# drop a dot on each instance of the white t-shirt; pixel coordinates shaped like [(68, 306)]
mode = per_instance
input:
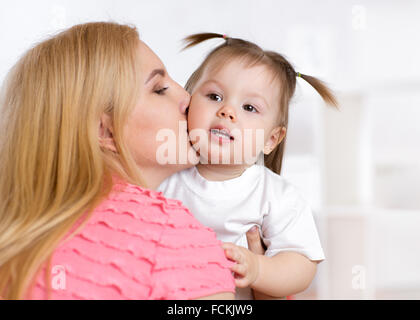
[(258, 197)]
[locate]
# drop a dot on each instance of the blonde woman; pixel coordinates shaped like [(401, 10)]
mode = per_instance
[(79, 217)]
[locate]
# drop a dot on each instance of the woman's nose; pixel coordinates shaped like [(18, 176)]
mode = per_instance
[(227, 112), (185, 101)]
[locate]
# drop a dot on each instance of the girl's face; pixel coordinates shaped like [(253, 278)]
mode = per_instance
[(160, 108), (235, 108)]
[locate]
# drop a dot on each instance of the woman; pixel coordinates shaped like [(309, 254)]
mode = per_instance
[(78, 164)]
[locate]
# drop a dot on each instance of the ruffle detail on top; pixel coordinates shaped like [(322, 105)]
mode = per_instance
[(202, 282), (139, 245)]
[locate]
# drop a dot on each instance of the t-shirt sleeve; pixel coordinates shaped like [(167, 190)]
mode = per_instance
[(190, 262), (289, 226)]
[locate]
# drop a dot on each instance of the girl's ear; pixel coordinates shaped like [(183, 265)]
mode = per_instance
[(106, 137), (276, 137)]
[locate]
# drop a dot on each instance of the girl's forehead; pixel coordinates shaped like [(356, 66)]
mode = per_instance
[(239, 67), (221, 64), (256, 76)]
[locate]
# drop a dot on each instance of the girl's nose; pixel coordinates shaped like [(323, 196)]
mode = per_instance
[(227, 112)]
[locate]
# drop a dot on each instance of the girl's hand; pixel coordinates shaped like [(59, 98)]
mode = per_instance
[(247, 264), (256, 246)]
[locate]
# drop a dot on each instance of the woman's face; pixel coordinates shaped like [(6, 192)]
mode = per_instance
[(156, 130)]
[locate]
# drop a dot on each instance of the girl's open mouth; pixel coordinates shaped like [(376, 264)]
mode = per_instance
[(221, 135)]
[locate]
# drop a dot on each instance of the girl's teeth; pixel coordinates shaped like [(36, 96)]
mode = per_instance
[(220, 133)]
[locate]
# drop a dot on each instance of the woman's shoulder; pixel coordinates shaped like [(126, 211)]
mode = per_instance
[(137, 244), (147, 205), (185, 249)]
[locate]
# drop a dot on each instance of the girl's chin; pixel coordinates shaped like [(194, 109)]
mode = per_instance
[(220, 159)]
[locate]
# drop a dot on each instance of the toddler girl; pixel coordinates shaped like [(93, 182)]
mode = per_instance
[(237, 122)]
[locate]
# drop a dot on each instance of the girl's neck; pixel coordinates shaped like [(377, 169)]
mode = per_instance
[(221, 172)]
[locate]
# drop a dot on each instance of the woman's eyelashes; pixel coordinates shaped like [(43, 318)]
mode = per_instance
[(160, 91)]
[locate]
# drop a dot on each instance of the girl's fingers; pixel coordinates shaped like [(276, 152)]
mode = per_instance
[(242, 282), (239, 269), (228, 245), (234, 254), (230, 254), (238, 256)]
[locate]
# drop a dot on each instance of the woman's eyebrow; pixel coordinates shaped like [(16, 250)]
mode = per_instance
[(154, 73)]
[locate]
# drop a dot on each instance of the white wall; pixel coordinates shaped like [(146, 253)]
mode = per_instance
[(351, 46)]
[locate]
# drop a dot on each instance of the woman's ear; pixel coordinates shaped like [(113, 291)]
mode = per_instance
[(276, 137), (106, 137)]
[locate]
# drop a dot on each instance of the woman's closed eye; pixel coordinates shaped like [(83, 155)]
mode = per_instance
[(161, 91)]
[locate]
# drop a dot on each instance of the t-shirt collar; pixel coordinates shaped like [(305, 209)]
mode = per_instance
[(223, 189)]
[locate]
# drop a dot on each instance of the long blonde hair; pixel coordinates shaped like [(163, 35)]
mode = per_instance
[(53, 170)]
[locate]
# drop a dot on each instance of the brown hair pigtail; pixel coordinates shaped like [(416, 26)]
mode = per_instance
[(197, 38), (321, 88)]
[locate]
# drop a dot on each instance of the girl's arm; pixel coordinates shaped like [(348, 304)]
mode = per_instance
[(262, 296), (270, 277), (256, 245), (283, 274)]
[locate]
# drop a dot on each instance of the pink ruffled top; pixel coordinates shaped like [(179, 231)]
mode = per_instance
[(137, 245)]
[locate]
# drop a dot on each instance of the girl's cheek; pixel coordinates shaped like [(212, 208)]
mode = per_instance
[(192, 120), (195, 104)]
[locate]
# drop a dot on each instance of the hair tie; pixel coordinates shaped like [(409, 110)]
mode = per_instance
[(298, 75), (225, 37)]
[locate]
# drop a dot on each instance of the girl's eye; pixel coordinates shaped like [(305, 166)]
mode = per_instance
[(161, 91), (214, 97), (249, 108)]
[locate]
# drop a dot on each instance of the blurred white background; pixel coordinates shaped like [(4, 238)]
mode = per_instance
[(359, 167)]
